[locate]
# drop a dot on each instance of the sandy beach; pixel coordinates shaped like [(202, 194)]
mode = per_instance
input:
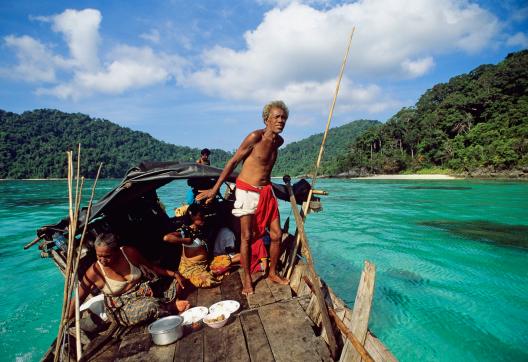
[(409, 177)]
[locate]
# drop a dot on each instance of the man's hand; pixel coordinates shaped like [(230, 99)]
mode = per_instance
[(208, 195)]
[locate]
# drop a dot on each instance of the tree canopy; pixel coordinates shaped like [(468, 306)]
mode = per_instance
[(476, 121), (33, 145)]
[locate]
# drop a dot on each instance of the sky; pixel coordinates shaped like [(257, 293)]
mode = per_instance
[(197, 73)]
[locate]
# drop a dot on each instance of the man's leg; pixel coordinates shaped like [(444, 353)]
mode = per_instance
[(245, 252), (276, 237)]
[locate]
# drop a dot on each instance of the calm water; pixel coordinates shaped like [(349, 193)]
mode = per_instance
[(451, 281)]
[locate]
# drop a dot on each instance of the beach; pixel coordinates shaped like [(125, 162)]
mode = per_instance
[(408, 177)]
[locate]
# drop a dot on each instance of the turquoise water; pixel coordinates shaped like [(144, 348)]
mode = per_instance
[(450, 256)]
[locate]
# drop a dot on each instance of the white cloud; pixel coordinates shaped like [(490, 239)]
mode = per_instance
[(296, 51), (35, 62), (416, 68), (284, 3), (125, 68), (131, 67), (519, 39), (81, 32), (153, 36)]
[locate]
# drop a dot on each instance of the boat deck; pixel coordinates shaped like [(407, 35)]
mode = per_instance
[(271, 325)]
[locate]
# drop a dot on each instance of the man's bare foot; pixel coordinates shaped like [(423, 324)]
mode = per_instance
[(278, 279), (182, 305), (247, 285)]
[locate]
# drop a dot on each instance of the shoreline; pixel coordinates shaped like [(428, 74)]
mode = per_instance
[(409, 177)]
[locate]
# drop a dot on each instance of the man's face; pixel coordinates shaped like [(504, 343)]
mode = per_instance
[(276, 120), (205, 157)]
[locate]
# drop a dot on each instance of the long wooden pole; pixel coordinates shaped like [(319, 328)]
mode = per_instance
[(320, 156), (72, 228), (327, 324), (330, 115), (75, 281), (68, 261)]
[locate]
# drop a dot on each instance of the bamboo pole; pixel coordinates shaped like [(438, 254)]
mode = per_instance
[(75, 281), (331, 113), (321, 152), (72, 228), (309, 261), (87, 217), (343, 328), (68, 262)]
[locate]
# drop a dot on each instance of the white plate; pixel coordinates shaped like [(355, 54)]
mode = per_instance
[(227, 306), (194, 315)]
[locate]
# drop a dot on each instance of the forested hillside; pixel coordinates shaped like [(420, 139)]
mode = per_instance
[(298, 158), (33, 145), (477, 123)]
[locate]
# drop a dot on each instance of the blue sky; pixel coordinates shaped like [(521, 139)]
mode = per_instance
[(197, 73)]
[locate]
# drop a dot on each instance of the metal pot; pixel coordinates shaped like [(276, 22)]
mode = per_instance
[(166, 330)]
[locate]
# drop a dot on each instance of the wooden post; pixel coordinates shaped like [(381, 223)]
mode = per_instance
[(30, 244), (361, 311), (343, 328), (318, 292)]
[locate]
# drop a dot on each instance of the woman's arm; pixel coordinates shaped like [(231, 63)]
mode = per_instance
[(137, 259), (176, 238), (85, 286)]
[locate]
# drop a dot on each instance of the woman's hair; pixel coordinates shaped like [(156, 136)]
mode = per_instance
[(274, 104), (107, 239)]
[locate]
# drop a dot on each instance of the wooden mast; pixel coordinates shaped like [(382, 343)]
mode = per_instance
[(291, 261)]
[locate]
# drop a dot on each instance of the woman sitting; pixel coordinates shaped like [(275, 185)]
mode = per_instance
[(122, 274)]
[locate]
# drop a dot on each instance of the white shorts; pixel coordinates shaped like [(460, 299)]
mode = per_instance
[(245, 202)]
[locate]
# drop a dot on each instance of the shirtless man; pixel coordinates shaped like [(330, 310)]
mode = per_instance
[(258, 152), (204, 157)]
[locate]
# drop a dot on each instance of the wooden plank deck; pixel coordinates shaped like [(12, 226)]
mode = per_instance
[(271, 325)]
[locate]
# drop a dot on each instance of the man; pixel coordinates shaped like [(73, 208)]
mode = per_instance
[(255, 204), (204, 157)]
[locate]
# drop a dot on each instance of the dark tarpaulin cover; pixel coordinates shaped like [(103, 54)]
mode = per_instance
[(148, 177)]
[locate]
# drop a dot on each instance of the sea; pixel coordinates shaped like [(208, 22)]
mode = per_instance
[(450, 256)]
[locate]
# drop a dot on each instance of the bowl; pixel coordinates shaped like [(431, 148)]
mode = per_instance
[(194, 315), (216, 320), (192, 318), (166, 330)]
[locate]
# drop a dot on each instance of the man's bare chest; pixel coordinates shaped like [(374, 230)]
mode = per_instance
[(264, 152)]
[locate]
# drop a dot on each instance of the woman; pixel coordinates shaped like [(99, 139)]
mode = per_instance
[(121, 273)]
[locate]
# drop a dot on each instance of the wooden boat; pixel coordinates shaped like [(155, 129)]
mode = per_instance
[(276, 323)]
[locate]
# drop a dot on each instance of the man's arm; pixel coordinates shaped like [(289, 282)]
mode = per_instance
[(240, 155)]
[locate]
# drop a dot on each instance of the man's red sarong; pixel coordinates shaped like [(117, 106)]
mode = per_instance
[(266, 212)]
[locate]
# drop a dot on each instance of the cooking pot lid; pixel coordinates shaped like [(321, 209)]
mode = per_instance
[(165, 324)]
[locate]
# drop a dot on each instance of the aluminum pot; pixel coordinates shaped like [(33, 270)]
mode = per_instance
[(166, 330)]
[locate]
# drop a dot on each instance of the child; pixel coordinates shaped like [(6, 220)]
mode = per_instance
[(194, 265)]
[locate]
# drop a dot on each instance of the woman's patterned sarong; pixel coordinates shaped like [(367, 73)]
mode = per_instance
[(142, 303), (198, 274)]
